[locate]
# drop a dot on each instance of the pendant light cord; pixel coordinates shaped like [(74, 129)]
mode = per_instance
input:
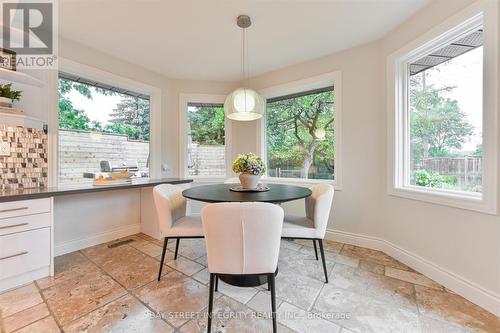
[(244, 62), (244, 55)]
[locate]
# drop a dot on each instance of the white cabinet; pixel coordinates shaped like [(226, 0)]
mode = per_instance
[(26, 252)]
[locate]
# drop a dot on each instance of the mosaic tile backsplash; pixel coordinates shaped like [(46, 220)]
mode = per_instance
[(26, 166)]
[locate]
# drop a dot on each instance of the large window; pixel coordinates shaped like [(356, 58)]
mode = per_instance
[(445, 116), (300, 135), (445, 107), (206, 140), (101, 129)]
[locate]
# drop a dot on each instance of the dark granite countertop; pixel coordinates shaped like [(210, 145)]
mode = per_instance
[(36, 193)]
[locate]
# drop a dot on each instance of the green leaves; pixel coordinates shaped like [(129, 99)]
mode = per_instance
[(293, 126), (437, 124), (207, 125), (7, 92), (130, 117)]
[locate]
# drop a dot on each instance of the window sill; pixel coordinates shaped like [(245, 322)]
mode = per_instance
[(207, 179), (302, 182), (468, 201)]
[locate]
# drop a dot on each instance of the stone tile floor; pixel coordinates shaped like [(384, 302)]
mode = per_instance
[(103, 289)]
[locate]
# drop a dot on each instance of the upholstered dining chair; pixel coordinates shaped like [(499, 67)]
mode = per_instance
[(313, 225), (242, 239), (171, 211)]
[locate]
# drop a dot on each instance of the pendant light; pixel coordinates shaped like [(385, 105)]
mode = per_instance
[(244, 104)]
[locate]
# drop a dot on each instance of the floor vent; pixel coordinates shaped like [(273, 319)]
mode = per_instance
[(120, 243)]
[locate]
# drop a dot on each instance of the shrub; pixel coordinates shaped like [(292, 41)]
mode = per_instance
[(424, 178)]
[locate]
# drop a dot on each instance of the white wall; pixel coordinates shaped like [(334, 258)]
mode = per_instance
[(457, 247), (84, 220), (356, 206), (462, 242)]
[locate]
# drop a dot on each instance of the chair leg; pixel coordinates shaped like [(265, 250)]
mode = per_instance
[(177, 248), (271, 281), (315, 249), (216, 283), (323, 258), (165, 241), (210, 302)]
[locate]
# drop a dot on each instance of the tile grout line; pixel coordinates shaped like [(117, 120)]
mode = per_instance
[(2, 328), (130, 292), (51, 313)]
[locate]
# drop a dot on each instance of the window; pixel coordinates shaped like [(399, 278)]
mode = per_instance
[(206, 140), (300, 135), (445, 109), (444, 151), (101, 128)]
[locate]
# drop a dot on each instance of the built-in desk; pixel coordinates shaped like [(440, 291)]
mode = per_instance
[(31, 220), (47, 192)]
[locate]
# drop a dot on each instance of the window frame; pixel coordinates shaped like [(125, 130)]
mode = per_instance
[(311, 83), (98, 75), (184, 100), (398, 114)]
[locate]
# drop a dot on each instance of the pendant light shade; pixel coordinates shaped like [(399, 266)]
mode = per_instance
[(244, 104)]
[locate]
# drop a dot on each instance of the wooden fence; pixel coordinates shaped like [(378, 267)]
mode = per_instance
[(467, 169)]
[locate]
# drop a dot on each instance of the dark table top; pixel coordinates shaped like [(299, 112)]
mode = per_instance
[(221, 193), (36, 193)]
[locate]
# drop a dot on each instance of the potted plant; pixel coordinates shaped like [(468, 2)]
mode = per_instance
[(251, 168), (7, 95)]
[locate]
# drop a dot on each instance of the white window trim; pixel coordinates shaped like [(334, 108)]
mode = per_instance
[(184, 100), (99, 75), (481, 13), (315, 82)]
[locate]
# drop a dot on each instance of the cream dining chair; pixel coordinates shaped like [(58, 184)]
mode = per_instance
[(313, 225), (171, 210), (242, 239)]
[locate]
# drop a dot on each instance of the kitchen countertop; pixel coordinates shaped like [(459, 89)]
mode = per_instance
[(36, 193)]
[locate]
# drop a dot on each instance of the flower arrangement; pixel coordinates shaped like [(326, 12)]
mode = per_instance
[(249, 163)]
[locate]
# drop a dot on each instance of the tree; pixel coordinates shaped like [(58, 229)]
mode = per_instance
[(479, 150), (437, 124), (300, 130), (131, 117), (69, 117), (207, 125)]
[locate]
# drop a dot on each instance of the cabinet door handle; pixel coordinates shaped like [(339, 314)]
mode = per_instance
[(14, 225), (14, 255), (12, 209)]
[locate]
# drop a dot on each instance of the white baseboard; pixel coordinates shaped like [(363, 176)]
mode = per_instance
[(24, 278), (102, 237), (460, 285)]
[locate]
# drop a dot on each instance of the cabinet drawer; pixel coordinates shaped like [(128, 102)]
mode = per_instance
[(24, 252), (24, 223), (24, 207)]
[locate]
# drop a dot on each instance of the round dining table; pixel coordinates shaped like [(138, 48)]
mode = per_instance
[(277, 194)]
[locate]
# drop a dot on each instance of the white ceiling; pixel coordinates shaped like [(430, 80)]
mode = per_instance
[(199, 39)]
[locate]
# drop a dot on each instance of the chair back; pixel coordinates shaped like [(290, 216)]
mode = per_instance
[(242, 238), (318, 206), (170, 205)]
